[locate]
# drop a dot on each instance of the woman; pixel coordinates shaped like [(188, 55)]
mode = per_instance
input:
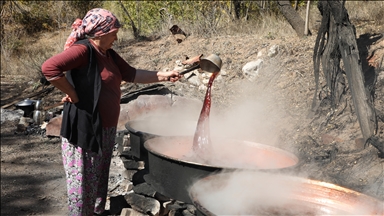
[(94, 72)]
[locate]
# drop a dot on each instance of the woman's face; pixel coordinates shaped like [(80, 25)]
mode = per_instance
[(106, 41)]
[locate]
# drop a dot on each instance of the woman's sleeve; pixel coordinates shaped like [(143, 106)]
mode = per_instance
[(75, 56), (128, 73)]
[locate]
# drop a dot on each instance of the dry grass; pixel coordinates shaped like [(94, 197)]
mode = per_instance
[(24, 55), (367, 16), (366, 11)]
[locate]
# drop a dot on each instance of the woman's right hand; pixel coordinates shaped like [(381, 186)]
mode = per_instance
[(63, 84), (67, 98)]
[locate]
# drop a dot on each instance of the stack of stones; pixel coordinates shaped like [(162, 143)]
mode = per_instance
[(130, 195)]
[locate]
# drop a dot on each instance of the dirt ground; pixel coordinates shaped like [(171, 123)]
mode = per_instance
[(273, 109)]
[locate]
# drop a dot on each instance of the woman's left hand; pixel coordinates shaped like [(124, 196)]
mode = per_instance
[(67, 98)]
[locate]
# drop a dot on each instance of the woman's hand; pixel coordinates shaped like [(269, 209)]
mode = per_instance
[(63, 84), (67, 98), (146, 76), (172, 76)]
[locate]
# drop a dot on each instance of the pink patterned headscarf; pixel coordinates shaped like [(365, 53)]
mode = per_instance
[(97, 22)]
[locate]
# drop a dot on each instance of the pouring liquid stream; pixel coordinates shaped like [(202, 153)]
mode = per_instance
[(202, 140)]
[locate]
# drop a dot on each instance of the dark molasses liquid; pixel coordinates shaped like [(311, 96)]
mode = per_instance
[(202, 140)]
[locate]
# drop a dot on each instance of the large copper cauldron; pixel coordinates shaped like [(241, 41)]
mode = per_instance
[(173, 168), (256, 193)]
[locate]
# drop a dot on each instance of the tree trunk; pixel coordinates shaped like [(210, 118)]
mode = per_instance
[(136, 33), (292, 17), (236, 8), (2, 3), (330, 61), (341, 44), (350, 54), (296, 4)]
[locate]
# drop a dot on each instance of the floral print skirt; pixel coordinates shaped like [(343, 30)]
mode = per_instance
[(87, 175)]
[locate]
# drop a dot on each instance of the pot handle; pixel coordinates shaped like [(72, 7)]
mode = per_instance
[(190, 69)]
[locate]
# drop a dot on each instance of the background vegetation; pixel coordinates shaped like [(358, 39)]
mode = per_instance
[(23, 23)]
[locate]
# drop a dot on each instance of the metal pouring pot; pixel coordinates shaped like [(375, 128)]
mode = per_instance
[(27, 106), (210, 64)]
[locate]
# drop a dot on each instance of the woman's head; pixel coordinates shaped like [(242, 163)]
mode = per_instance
[(96, 23), (105, 41)]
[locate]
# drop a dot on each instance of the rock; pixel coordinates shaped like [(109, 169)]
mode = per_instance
[(131, 212), (203, 87), (191, 208), (125, 145), (163, 199), (273, 51), (261, 52), (179, 37), (251, 69), (380, 77), (178, 33), (53, 127), (23, 124), (117, 204), (174, 212), (121, 137), (187, 213), (128, 174), (187, 105), (128, 186), (153, 102), (11, 115), (142, 105), (127, 112), (223, 73), (177, 205), (143, 204), (131, 164), (194, 80), (144, 189)]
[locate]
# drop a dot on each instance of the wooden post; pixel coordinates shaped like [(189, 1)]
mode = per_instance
[(353, 69), (306, 28)]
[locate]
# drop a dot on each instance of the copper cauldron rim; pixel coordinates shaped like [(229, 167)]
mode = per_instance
[(308, 181), (147, 146)]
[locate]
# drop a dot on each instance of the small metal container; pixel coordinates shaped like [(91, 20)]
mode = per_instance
[(38, 105), (38, 117)]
